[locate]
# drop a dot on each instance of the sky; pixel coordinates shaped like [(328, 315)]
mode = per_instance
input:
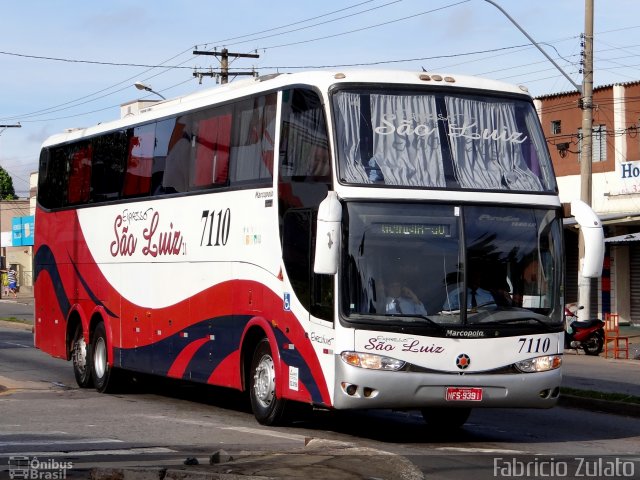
[(72, 63)]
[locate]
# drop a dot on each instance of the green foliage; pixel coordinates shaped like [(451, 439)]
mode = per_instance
[(7, 192)]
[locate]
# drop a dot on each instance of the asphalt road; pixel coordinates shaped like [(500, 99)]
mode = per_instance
[(163, 423), (21, 309)]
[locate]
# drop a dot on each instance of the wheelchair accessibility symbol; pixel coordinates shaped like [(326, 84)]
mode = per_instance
[(287, 302)]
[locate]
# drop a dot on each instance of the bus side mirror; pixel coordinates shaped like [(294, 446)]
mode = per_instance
[(328, 235), (593, 235)]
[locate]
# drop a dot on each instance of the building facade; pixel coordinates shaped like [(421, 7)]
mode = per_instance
[(16, 256), (615, 188)]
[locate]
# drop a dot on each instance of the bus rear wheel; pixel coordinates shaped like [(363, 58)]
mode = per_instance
[(441, 418), (80, 359), (267, 407), (105, 377)]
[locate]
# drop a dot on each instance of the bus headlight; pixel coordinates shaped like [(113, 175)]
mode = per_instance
[(371, 361), (539, 364)]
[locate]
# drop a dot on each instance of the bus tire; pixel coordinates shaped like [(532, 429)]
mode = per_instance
[(105, 377), (80, 360), (441, 418), (267, 407)]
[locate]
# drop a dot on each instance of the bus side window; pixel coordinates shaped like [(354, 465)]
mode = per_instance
[(251, 151), (52, 181), (137, 180), (314, 291), (79, 157), (108, 166), (212, 150), (304, 148), (178, 161), (164, 128)]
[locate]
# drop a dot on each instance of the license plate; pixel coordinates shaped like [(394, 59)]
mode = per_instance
[(458, 394)]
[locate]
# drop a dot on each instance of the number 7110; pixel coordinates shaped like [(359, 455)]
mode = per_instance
[(534, 345)]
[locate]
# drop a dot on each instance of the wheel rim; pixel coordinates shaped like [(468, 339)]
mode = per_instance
[(80, 355), (100, 357), (264, 384)]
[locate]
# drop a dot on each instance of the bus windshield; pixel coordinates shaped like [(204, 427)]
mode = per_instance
[(438, 140), (452, 265)]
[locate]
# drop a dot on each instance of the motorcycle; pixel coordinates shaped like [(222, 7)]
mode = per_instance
[(587, 334)]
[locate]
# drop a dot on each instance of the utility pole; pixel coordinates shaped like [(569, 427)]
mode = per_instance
[(224, 55), (584, 284)]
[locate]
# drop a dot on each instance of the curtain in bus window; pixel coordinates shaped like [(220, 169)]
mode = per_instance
[(164, 129), (79, 173), (348, 137), (251, 152), (406, 142), (137, 180), (212, 151), (307, 151), (539, 163), (486, 146), (178, 161)]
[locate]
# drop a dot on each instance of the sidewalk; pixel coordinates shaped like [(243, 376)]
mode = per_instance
[(25, 297)]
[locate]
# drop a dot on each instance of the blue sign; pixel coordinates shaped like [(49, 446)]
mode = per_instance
[(22, 231), (287, 301)]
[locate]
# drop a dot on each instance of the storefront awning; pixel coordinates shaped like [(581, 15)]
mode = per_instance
[(626, 238)]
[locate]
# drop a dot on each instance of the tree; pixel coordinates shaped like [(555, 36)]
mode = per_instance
[(7, 191)]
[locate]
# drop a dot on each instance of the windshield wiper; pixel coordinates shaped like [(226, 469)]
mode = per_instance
[(421, 317), (519, 320)]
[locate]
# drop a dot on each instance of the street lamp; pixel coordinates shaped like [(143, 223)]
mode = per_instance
[(142, 86), (4, 127), (586, 92)]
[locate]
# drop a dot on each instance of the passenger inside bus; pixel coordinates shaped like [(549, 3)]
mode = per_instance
[(484, 287), (401, 299)]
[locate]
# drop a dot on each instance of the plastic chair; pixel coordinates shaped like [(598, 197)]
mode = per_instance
[(619, 344)]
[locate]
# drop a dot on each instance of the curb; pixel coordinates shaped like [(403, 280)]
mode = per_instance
[(606, 406), (319, 459)]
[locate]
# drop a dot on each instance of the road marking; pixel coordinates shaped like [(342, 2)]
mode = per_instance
[(86, 453), (252, 431), (481, 450), (60, 442), (181, 420), (16, 344), (268, 433), (41, 434)]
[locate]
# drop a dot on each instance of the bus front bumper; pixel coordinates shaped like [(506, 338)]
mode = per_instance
[(357, 387)]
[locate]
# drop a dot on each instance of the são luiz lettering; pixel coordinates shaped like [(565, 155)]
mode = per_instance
[(156, 243)]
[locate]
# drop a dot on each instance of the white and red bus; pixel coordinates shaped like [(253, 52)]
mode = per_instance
[(358, 239)]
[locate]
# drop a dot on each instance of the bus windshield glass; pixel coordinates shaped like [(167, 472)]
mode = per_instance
[(430, 139), (452, 265)]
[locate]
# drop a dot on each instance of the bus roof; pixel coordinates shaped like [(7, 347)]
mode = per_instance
[(322, 79)]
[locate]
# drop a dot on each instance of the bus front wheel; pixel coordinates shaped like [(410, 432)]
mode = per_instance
[(80, 359), (445, 418), (105, 377), (267, 407)]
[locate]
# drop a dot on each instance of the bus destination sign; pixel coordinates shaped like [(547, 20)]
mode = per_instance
[(415, 229)]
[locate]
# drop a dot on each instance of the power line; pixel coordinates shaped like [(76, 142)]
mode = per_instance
[(317, 24), (93, 62), (76, 101), (366, 28)]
